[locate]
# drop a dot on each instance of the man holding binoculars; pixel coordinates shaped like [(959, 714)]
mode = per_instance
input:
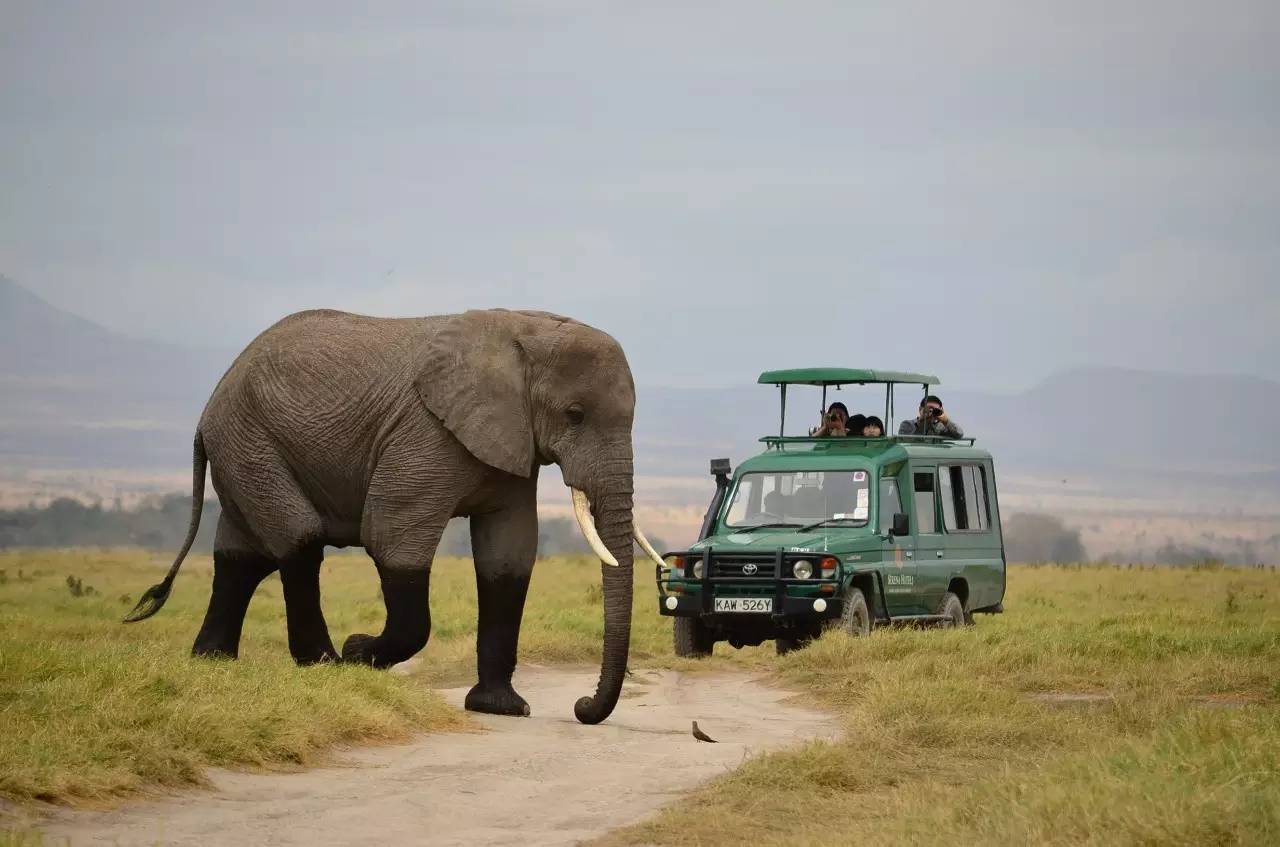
[(932, 420)]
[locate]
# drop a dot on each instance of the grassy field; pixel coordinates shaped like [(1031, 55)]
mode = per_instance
[(1109, 705), (91, 708)]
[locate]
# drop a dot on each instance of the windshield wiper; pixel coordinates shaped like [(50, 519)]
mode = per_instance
[(754, 527), (825, 522)]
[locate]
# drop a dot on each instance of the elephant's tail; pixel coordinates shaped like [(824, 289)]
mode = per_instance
[(156, 595)]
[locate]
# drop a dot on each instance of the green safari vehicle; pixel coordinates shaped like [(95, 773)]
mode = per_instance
[(839, 532)]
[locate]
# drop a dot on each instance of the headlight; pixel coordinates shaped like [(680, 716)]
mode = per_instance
[(803, 569), (697, 569)]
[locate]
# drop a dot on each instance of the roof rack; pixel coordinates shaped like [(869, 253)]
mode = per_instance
[(780, 441)]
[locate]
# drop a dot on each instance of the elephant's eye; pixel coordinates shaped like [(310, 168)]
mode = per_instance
[(574, 414)]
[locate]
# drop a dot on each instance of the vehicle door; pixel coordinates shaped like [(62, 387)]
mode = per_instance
[(971, 542), (906, 596), (898, 552)]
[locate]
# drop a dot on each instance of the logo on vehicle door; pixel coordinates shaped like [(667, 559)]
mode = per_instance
[(749, 569)]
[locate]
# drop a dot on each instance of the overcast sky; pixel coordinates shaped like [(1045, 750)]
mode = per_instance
[(987, 190)]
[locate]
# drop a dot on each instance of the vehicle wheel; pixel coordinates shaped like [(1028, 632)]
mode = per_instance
[(783, 646), (693, 639), (855, 617), (953, 609)]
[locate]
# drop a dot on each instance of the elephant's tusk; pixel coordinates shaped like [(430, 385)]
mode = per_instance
[(646, 546), (582, 511)]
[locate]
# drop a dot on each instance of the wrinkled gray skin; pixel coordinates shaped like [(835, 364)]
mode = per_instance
[(338, 429)]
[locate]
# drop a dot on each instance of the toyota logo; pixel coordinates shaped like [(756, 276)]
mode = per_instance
[(749, 569)]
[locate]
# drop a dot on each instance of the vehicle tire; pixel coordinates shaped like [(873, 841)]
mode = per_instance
[(855, 617), (693, 639), (953, 609)]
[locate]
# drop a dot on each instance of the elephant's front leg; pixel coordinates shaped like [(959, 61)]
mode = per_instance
[(404, 590), (504, 545), (403, 558)]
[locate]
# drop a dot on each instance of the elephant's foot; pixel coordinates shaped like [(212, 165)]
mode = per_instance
[(496, 700), (359, 648), (378, 651)]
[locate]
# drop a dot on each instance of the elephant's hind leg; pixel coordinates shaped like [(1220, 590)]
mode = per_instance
[(308, 633), (504, 545), (236, 575)]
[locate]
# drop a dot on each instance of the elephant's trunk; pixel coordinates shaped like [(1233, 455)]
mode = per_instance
[(613, 512)]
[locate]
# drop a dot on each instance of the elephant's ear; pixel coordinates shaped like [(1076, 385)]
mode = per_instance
[(472, 377)]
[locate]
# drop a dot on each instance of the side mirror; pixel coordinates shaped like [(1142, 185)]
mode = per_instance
[(901, 526)]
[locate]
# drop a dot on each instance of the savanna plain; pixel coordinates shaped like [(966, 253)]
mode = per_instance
[(1108, 705)]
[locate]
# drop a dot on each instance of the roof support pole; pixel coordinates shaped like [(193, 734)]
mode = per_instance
[(782, 423)]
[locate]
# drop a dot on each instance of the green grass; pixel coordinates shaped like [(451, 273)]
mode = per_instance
[(93, 709), (960, 735), (965, 737)]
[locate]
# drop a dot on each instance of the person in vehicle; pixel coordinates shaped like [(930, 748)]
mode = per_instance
[(932, 420), (873, 427), (834, 422), (775, 504), (855, 424)]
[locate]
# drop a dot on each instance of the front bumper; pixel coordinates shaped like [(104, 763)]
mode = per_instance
[(681, 594), (701, 605)]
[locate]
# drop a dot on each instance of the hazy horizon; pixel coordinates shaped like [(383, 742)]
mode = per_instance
[(992, 192)]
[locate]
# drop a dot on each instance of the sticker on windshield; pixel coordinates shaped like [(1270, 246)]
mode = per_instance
[(860, 513), (864, 497), (859, 476)]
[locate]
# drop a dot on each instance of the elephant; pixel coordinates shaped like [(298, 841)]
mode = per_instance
[(337, 429)]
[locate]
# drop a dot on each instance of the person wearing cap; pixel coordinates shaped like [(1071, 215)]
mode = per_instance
[(932, 420)]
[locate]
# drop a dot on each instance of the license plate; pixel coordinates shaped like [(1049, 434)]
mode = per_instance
[(744, 604)]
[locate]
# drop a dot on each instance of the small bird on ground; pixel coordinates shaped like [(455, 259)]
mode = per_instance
[(702, 736)]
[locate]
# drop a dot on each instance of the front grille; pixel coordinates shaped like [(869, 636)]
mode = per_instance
[(730, 566)]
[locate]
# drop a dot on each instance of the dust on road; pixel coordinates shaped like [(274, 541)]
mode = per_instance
[(529, 781)]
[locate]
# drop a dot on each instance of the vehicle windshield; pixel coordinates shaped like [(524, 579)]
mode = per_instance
[(800, 498)]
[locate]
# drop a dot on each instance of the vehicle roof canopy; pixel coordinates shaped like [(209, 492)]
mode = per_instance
[(842, 376)]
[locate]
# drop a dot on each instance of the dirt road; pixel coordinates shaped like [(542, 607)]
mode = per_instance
[(527, 781)]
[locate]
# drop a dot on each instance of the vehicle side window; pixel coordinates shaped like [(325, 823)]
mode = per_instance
[(926, 512), (976, 495), (955, 513), (964, 498), (890, 503)]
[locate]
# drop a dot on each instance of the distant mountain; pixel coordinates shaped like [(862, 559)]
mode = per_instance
[(78, 394), (1104, 419)]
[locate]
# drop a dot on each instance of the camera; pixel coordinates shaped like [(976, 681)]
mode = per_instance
[(832, 417), (935, 412)]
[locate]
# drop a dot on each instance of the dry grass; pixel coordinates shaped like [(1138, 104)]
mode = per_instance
[(91, 709), (961, 736), (964, 736)]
